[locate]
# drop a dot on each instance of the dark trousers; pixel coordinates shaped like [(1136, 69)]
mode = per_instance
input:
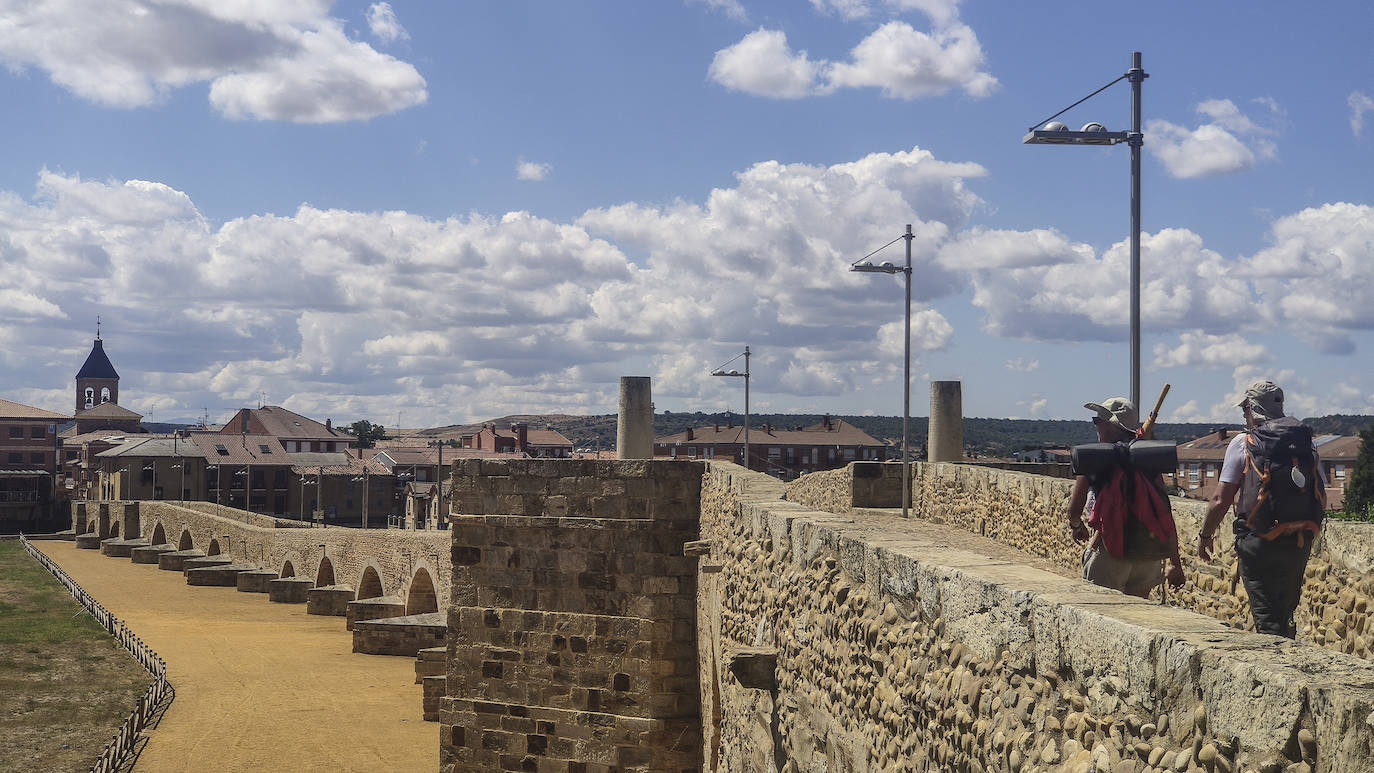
[(1273, 575)]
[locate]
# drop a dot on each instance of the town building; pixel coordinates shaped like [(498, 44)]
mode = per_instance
[(546, 443), (152, 467), (781, 453), (29, 464)]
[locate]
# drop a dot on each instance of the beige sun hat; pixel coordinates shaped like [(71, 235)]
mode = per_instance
[(1264, 399), (1117, 411)]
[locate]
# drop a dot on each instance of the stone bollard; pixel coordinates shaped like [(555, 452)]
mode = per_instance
[(946, 440), (634, 438)]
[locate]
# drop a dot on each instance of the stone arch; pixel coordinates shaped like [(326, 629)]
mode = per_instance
[(91, 526), (213, 550), (102, 520), (114, 530), (186, 542), (370, 583), (288, 569), (420, 597), (159, 534), (325, 574)]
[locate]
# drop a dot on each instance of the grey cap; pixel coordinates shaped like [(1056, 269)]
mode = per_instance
[(1264, 399)]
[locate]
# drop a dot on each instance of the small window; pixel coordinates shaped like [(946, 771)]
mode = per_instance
[(37, 458), (104, 394), (263, 447), (90, 397), (16, 433), (16, 458), (221, 450), (38, 433), (1340, 471)]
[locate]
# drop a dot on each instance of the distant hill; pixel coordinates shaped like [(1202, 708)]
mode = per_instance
[(982, 437)]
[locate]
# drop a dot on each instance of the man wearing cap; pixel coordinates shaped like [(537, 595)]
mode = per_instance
[(1116, 421), (1272, 569)]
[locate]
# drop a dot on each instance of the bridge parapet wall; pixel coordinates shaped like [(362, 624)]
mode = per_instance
[(1028, 512), (898, 645), (395, 555)]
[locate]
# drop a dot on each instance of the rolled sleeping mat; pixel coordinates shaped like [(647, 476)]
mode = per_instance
[(1152, 457)]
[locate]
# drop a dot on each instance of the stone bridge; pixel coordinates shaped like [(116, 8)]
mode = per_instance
[(675, 616)]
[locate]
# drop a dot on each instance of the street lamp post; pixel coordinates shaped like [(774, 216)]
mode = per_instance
[(867, 267), (745, 375), (1056, 133)]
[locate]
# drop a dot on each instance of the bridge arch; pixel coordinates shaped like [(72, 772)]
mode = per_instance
[(370, 583), (420, 597), (159, 535), (325, 574), (213, 550), (186, 542)]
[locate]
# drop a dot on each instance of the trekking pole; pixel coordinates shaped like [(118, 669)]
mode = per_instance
[(1147, 430)]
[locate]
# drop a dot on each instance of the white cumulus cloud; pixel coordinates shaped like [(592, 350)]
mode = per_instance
[(1229, 143), (896, 58), (1360, 103), (532, 171), (381, 19), (1197, 349), (263, 61), (764, 65)]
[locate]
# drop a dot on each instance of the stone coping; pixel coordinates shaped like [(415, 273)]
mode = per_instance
[(426, 619), (1259, 689)]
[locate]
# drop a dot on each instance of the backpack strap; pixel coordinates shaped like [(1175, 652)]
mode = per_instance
[(1263, 486), (1293, 527)]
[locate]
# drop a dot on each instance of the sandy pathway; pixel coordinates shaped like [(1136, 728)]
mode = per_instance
[(260, 686)]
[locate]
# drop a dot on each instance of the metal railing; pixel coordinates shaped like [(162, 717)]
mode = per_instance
[(154, 700)]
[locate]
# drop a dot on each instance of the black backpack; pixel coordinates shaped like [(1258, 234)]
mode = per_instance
[(1282, 486)]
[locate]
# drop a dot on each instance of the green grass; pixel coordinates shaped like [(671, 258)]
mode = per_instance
[(65, 685)]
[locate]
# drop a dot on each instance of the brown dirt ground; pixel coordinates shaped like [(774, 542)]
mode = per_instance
[(260, 686), (65, 685)]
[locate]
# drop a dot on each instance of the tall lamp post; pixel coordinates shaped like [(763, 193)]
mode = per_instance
[(1056, 133), (745, 375), (865, 266)]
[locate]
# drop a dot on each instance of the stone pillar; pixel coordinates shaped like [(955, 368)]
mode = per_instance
[(946, 441), (634, 437)]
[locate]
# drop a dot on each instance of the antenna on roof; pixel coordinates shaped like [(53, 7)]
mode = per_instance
[(97, 327)]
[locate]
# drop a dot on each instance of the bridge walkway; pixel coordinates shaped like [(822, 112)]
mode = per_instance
[(260, 686)]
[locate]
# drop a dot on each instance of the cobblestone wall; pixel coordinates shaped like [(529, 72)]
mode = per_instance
[(1027, 512), (895, 649), (572, 638)]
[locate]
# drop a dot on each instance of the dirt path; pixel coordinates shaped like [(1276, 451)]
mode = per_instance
[(260, 686)]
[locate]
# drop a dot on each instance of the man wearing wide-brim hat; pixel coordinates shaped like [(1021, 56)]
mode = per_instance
[(1136, 571)]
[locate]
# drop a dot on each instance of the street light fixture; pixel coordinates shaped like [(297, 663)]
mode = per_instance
[(865, 266), (1056, 133), (745, 375)]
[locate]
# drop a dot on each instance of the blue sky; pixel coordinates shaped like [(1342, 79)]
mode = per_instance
[(445, 212)]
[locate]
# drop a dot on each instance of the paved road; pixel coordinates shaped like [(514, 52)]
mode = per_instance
[(260, 686)]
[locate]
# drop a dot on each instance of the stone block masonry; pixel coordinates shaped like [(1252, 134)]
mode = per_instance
[(572, 636)]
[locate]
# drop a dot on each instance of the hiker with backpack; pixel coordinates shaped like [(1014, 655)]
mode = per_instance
[(1271, 473), (1121, 485)]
